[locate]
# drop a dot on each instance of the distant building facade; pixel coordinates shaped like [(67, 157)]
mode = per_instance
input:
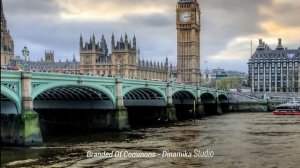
[(7, 43), (48, 64), (209, 77), (274, 70)]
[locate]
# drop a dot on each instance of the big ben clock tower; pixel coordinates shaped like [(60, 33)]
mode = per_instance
[(188, 41)]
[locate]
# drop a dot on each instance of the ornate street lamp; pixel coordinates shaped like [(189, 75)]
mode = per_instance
[(25, 53)]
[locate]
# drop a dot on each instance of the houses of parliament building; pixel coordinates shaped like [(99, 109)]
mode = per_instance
[(124, 59)]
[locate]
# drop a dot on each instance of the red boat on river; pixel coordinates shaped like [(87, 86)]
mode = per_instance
[(290, 108)]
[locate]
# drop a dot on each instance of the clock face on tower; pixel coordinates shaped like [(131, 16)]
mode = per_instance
[(185, 16)]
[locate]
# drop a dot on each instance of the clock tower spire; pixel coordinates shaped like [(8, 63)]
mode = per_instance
[(188, 41)]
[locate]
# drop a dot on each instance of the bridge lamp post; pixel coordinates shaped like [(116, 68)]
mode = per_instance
[(25, 53), (267, 104), (216, 81)]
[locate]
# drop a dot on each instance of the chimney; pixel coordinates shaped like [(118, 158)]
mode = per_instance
[(261, 45), (260, 42), (279, 47), (279, 41)]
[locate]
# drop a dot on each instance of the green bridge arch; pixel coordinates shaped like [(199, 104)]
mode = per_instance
[(38, 90), (185, 90), (128, 89), (13, 97)]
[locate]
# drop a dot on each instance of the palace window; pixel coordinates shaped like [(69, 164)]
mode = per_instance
[(273, 70), (261, 70), (284, 64)]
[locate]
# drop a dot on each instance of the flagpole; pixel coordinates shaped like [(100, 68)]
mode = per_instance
[(251, 46)]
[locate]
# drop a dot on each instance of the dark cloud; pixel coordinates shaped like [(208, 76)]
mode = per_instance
[(31, 8), (284, 13), (153, 20), (39, 25)]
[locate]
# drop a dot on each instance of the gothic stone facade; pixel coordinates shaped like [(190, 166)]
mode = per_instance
[(123, 60), (188, 41), (274, 70), (7, 43)]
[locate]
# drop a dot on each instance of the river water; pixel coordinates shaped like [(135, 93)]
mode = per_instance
[(231, 140)]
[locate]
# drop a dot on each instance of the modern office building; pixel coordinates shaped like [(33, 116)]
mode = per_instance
[(274, 70)]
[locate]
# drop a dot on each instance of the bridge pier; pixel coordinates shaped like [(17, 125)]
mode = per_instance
[(170, 109), (199, 105), (121, 114), (170, 113), (121, 119), (199, 110), (23, 129), (219, 108), (30, 126)]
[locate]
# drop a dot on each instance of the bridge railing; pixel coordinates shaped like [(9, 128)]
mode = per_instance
[(60, 76), (7, 73)]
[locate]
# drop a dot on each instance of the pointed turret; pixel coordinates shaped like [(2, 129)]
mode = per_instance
[(3, 20), (167, 63), (2, 13), (93, 42), (121, 40), (134, 42), (102, 38), (94, 39), (103, 41), (112, 41), (74, 59), (126, 38), (80, 42)]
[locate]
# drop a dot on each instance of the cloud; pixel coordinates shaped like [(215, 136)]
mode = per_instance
[(283, 12), (108, 10), (281, 21), (226, 26)]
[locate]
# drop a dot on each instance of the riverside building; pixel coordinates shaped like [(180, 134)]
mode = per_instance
[(274, 70)]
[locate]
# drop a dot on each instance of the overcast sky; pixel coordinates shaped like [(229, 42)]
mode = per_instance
[(226, 27)]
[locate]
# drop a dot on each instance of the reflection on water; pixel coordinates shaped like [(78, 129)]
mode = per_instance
[(237, 140)]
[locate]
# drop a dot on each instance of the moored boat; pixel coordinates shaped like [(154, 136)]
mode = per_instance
[(290, 108)]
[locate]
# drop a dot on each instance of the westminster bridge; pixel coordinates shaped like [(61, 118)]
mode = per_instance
[(34, 102)]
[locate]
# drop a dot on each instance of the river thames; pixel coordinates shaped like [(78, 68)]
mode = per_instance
[(227, 141)]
